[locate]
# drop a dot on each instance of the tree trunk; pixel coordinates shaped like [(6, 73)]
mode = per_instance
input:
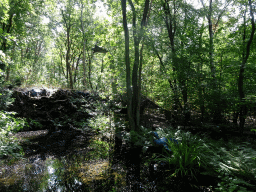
[(113, 78), (215, 95), (171, 27), (84, 67), (89, 72), (127, 63), (68, 26), (133, 95), (7, 29), (84, 45), (199, 72), (69, 72), (243, 107)]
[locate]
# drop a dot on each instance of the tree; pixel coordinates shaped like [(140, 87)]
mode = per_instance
[(68, 23), (77, 36), (215, 96), (13, 17), (245, 56), (177, 21), (133, 93), (87, 29)]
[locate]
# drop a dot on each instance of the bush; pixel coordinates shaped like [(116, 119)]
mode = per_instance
[(100, 149), (5, 98), (8, 144)]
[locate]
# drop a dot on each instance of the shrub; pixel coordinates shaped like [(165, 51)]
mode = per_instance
[(100, 149), (8, 144), (5, 98), (185, 158)]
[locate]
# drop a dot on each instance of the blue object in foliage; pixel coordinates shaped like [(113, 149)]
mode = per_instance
[(163, 141), (33, 93)]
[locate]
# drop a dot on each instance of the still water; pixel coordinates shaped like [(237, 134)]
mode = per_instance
[(60, 174), (48, 166)]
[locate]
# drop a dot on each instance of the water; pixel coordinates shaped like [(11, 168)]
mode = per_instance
[(54, 174)]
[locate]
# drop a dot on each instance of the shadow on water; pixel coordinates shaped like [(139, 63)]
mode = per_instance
[(67, 160), (56, 175), (52, 165)]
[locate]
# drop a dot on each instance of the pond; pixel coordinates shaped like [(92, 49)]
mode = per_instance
[(48, 166), (78, 167), (55, 174)]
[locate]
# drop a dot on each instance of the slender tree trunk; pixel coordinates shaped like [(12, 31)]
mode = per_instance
[(84, 67), (7, 28), (133, 95), (243, 107), (113, 78), (76, 68), (128, 71), (139, 83), (68, 26), (199, 72), (171, 27), (215, 95), (213, 70), (84, 45), (132, 171), (69, 72), (8, 70), (135, 99), (89, 72)]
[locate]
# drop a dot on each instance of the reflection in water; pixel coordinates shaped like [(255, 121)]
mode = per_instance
[(65, 172), (52, 182), (62, 174)]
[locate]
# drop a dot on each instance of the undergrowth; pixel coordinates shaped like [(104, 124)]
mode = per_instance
[(8, 126), (235, 164), (8, 144)]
